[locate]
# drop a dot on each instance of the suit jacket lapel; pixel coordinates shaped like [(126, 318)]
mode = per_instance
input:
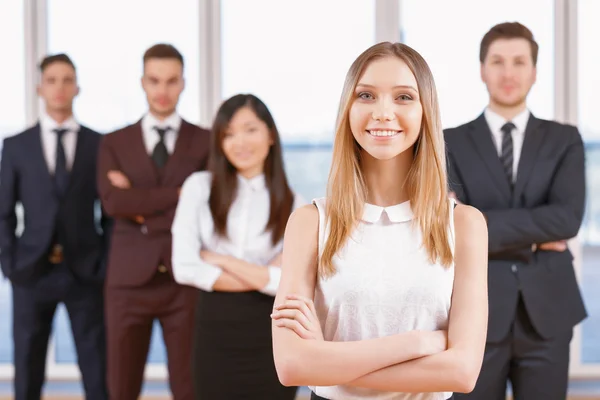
[(482, 138), (140, 153), (531, 144), (182, 143), (80, 156), (39, 158)]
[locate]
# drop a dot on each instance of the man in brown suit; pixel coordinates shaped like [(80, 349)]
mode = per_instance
[(140, 171)]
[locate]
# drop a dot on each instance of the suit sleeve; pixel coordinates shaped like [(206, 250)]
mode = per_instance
[(8, 217), (128, 203), (160, 223), (559, 219)]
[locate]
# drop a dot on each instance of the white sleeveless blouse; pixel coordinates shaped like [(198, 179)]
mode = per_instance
[(384, 285)]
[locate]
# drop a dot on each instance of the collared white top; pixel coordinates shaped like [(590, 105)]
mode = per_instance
[(49, 140), (151, 136), (193, 231), (496, 122), (384, 285)]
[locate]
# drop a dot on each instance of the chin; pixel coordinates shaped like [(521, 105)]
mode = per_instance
[(163, 109), (383, 155), (241, 166), (510, 101)]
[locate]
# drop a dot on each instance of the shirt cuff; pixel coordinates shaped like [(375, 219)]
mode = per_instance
[(203, 277), (274, 278)]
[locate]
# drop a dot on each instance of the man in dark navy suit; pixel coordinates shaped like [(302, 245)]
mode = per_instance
[(50, 169)]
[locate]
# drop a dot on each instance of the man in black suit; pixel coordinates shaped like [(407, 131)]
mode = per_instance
[(527, 176), (50, 169)]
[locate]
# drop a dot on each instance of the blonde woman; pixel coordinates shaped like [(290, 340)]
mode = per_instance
[(397, 271)]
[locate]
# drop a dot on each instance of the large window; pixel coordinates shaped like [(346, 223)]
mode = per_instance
[(107, 40), (296, 63), (449, 41), (12, 78), (12, 104), (589, 125)]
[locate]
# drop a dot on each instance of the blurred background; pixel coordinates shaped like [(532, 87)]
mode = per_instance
[(294, 55)]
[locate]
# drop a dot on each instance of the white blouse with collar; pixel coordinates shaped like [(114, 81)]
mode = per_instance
[(193, 231), (384, 285)]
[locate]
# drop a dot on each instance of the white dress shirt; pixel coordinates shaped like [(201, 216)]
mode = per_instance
[(48, 137), (496, 122), (151, 137), (384, 284), (193, 231)]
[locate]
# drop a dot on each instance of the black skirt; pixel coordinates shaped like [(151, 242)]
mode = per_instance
[(233, 350)]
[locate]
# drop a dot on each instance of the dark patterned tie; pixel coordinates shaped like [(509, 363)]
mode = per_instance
[(506, 156), (160, 155), (61, 174)]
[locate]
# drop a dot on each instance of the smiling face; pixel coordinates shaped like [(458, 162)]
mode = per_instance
[(386, 112), (246, 142)]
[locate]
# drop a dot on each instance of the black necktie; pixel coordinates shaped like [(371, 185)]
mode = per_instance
[(506, 155), (160, 155), (61, 174)]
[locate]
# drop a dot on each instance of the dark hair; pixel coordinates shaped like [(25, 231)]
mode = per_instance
[(224, 175), (49, 60), (508, 30), (163, 50)]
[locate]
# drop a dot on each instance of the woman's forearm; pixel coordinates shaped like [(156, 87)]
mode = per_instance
[(320, 363), (227, 282), (255, 276), (448, 371)]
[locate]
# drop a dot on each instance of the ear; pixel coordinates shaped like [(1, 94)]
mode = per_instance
[(77, 91), (38, 90), (534, 75)]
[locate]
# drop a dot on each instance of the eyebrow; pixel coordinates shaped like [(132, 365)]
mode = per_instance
[(511, 56), (395, 87)]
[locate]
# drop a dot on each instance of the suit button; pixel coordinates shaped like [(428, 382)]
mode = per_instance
[(162, 269), (144, 229), (514, 268)]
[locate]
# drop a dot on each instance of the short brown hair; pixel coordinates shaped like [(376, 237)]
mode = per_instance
[(508, 30), (49, 60), (163, 50)]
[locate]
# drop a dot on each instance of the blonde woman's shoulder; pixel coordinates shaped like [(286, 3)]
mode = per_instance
[(467, 218), (470, 227), (305, 219)]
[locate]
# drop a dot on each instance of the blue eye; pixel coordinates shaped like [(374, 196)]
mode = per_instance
[(405, 97), (365, 95)]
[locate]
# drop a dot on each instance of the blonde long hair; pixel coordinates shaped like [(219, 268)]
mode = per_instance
[(426, 180)]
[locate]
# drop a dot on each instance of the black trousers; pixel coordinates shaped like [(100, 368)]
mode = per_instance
[(536, 368), (34, 305)]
